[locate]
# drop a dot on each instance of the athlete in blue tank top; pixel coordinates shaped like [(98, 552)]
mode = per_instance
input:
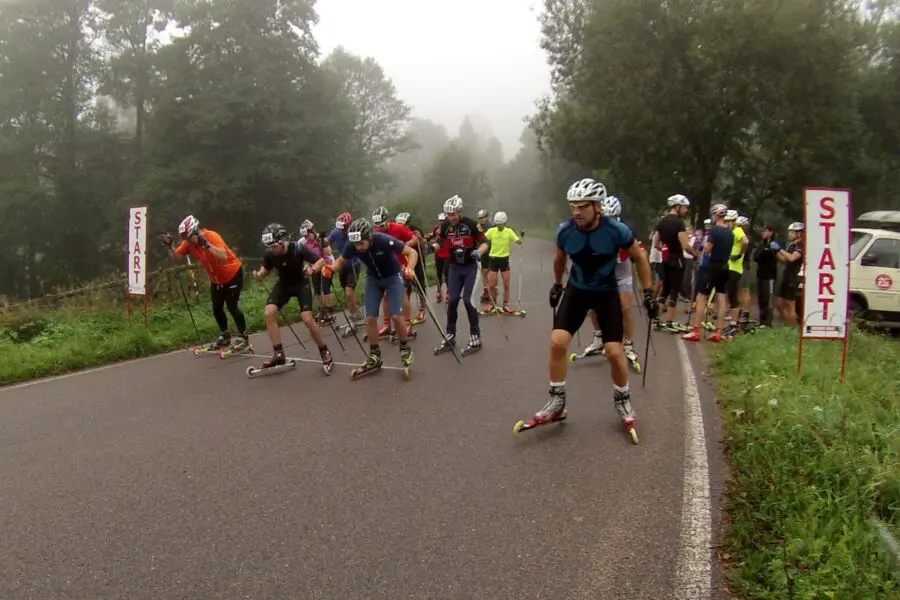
[(593, 243)]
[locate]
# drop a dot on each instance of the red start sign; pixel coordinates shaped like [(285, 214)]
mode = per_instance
[(884, 282)]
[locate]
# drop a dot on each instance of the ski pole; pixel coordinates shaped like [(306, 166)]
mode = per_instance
[(493, 301), (327, 313), (187, 305), (647, 350), (350, 325), (436, 324)]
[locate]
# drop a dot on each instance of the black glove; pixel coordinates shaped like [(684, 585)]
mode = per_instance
[(650, 304), (555, 294)]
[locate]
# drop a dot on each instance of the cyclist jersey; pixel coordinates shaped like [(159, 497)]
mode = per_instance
[(290, 265), (382, 259), (220, 271), (463, 238), (594, 253), (500, 241), (398, 232), (338, 239), (737, 265)]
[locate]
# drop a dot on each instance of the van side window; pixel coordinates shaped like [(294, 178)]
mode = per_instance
[(884, 253)]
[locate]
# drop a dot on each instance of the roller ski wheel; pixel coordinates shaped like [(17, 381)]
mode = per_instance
[(258, 371), (488, 312), (470, 350), (411, 335), (632, 433), (416, 321), (521, 426), (586, 354), (211, 348), (514, 313)]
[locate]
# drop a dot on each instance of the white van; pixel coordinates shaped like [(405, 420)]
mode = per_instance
[(875, 269)]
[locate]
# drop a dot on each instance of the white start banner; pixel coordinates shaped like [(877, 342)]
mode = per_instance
[(137, 251), (826, 263)]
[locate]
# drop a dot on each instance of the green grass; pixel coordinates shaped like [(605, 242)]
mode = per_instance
[(65, 340), (813, 460)]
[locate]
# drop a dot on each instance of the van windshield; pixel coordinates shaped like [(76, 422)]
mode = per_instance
[(858, 241)]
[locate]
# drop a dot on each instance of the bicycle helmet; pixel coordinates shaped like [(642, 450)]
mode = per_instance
[(586, 190), (273, 233), (796, 226), (677, 200), (442, 217), (718, 210), (453, 204), (743, 221), (731, 215), (380, 216), (402, 218), (359, 230), (707, 221), (483, 214), (500, 218), (188, 227), (612, 207), (343, 220)]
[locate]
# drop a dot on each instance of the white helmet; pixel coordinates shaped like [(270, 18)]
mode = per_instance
[(731, 215), (402, 218), (677, 200), (707, 221), (796, 226), (718, 210), (483, 214), (442, 217), (612, 207), (453, 204), (188, 227), (586, 190), (500, 218), (306, 227), (743, 221)]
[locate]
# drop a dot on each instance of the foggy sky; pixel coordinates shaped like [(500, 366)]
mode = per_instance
[(447, 59)]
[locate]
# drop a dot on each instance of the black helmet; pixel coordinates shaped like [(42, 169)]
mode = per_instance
[(274, 232), (361, 226), (381, 216)]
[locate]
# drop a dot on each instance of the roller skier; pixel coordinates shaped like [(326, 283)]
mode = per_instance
[(467, 246), (441, 259), (421, 248), (500, 238), (380, 253), (226, 279), (293, 262), (592, 242), (383, 224), (348, 276), (612, 208)]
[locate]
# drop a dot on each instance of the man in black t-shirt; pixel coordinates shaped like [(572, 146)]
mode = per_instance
[(766, 273), (672, 233), (293, 263), (792, 257)]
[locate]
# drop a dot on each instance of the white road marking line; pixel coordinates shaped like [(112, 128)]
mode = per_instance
[(693, 572)]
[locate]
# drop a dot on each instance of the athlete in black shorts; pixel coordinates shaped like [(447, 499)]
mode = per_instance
[(421, 247), (789, 291), (671, 232), (718, 246)]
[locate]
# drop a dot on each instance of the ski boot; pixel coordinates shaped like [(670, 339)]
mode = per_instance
[(594, 349), (473, 346), (622, 402), (489, 309), (327, 360), (406, 358), (448, 344), (506, 310), (276, 364), (631, 356), (553, 412), (730, 332), (694, 336), (240, 346), (373, 363), (221, 343), (410, 334)]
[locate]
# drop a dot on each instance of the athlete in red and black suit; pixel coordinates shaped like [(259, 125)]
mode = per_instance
[(467, 244)]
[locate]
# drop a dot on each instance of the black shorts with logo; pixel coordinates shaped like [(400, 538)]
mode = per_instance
[(716, 279), (574, 307), (498, 264), (281, 294)]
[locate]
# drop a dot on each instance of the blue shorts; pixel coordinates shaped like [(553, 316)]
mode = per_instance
[(376, 288)]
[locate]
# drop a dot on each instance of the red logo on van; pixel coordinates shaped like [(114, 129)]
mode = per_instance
[(884, 282)]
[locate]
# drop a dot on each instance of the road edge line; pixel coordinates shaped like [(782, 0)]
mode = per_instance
[(693, 573)]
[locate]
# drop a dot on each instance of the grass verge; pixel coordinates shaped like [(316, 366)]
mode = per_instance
[(814, 460), (73, 339)]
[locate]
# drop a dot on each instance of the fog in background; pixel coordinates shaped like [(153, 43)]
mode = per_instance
[(449, 59)]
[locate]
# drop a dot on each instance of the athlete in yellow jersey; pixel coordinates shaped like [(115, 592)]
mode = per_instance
[(500, 237), (735, 270)]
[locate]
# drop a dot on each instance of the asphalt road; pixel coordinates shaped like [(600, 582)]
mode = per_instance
[(179, 477)]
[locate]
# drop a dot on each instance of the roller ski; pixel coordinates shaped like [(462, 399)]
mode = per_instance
[(447, 345), (406, 359), (240, 346), (277, 364), (508, 312), (631, 356), (489, 310), (418, 319), (373, 363), (595, 349), (553, 412), (383, 331), (622, 402), (213, 347)]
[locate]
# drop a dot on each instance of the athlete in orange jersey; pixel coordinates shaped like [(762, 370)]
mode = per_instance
[(226, 277)]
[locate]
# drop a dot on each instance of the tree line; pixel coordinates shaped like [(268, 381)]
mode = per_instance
[(228, 110)]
